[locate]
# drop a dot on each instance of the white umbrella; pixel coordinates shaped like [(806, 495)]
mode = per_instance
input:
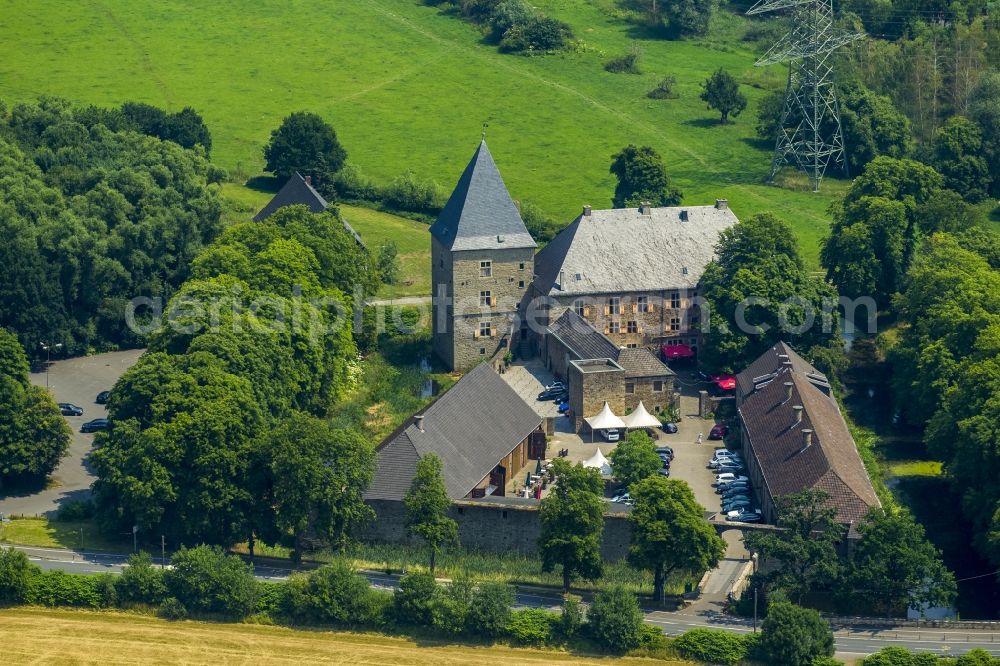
[(640, 418)]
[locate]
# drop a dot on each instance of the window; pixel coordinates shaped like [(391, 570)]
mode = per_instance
[(482, 351), (520, 266), (503, 514), (632, 327), (520, 284), (629, 387), (675, 299), (485, 269), (675, 324), (485, 299), (579, 307), (643, 303), (615, 327), (486, 329), (614, 305), (632, 345), (657, 387)]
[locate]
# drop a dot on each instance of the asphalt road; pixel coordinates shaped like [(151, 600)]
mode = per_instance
[(75, 380), (850, 641)]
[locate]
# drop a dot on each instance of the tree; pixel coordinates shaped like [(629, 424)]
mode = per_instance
[(388, 262), (33, 434), (635, 459), (427, 505), (642, 177), (984, 109), (141, 581), (615, 620), (806, 547), (722, 93), (187, 128), (15, 575), (306, 144), (413, 600), (958, 149), (489, 612), (320, 473), (795, 636), (205, 579), (334, 593), (894, 567), (758, 292), (572, 521), (669, 532)]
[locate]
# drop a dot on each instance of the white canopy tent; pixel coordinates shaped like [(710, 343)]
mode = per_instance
[(604, 419), (640, 418), (598, 461)]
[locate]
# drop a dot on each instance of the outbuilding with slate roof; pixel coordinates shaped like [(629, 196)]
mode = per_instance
[(298, 191), (795, 438)]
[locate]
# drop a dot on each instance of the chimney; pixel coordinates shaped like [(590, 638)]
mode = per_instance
[(788, 390), (807, 438), (586, 210), (722, 204), (787, 364), (645, 208), (798, 413), (419, 420), (309, 180), (684, 215), (562, 280)]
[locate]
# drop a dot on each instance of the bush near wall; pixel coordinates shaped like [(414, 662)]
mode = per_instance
[(715, 646)]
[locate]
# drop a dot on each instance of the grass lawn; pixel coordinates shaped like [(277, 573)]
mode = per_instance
[(59, 534), (408, 86), (34, 635)]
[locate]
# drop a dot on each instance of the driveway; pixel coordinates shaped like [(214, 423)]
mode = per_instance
[(76, 380), (528, 379)]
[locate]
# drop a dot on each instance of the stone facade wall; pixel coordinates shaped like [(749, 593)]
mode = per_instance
[(643, 390), (557, 356), (590, 390), (510, 275), (493, 527)]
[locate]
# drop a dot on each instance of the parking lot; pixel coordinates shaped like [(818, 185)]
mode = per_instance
[(75, 380)]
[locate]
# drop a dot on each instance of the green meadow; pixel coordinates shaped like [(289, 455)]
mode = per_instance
[(408, 86)]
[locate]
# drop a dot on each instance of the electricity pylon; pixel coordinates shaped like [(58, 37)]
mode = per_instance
[(809, 130)]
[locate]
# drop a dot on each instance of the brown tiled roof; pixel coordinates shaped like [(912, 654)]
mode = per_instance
[(470, 427), (769, 364), (831, 463)]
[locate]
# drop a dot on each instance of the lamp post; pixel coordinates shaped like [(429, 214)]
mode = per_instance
[(48, 358), (753, 558)]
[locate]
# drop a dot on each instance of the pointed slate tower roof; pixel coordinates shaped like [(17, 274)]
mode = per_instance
[(480, 214)]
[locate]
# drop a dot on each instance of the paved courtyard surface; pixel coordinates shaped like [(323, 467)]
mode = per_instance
[(76, 380)]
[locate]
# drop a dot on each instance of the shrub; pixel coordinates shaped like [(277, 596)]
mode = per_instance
[(58, 588), (614, 619), (714, 646), (334, 593), (413, 599), (105, 590), (538, 34), (664, 89), (627, 63), (75, 510), (489, 613), (141, 581), (407, 192), (793, 635), (351, 184), (450, 608), (652, 639), (172, 609), (16, 573), (206, 579), (532, 626), (571, 618)]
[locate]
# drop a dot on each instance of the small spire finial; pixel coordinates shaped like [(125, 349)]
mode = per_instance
[(485, 125)]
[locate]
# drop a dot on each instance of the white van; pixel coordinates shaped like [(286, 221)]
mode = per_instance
[(612, 434)]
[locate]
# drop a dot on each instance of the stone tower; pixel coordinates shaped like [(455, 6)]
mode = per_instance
[(482, 262)]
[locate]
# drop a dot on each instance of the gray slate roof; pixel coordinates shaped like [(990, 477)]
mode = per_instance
[(297, 192), (586, 342), (470, 427), (480, 214), (831, 463), (621, 250)]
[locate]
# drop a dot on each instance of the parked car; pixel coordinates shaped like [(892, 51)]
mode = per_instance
[(728, 477), (742, 485), (555, 385), (69, 409), (718, 431), (723, 461), (666, 450), (744, 516), (664, 471), (664, 463), (737, 505), (560, 398), (95, 425), (551, 394), (670, 428), (736, 499), (102, 397), (665, 457), (702, 376), (726, 452), (733, 492), (563, 407), (621, 498), (612, 434), (734, 469)]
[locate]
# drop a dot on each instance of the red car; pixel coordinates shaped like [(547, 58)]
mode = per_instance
[(719, 431)]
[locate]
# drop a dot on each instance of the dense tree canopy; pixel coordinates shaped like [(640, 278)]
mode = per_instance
[(794, 636), (758, 292), (572, 522), (642, 177), (306, 144), (93, 216), (984, 109), (635, 459), (427, 505), (958, 148), (33, 434)]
